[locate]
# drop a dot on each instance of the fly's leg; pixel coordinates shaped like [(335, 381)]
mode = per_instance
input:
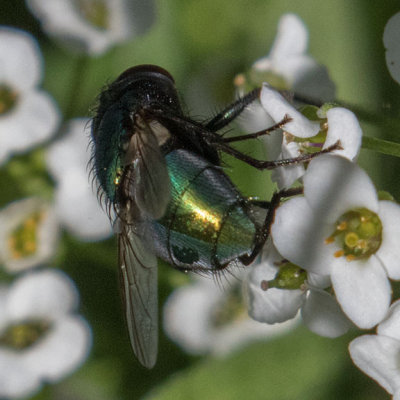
[(255, 135), (227, 115), (264, 231), (231, 112), (217, 142), (261, 164)]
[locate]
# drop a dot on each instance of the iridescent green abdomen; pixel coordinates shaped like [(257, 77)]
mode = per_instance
[(208, 223)]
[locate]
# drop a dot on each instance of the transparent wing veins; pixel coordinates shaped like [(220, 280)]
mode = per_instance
[(139, 277)]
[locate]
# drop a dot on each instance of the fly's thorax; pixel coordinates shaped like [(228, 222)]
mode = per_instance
[(208, 223), (108, 151), (129, 100)]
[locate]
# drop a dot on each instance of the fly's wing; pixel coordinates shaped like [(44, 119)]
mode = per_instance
[(150, 185), (139, 279)]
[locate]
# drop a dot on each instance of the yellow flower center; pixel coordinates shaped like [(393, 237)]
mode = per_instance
[(23, 241), (21, 335), (8, 99), (358, 234), (95, 12)]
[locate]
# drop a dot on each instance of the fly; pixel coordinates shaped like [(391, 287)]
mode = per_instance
[(160, 172)]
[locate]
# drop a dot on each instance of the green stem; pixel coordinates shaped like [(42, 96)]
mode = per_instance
[(381, 146)]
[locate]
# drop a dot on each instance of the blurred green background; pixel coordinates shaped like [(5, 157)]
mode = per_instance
[(204, 44)]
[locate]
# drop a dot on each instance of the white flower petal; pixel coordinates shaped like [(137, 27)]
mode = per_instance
[(190, 320), (309, 79), (323, 316), (186, 316), (71, 148), (63, 20), (63, 351), (79, 210), (34, 120), (299, 237), (272, 305), (33, 117), (333, 185), (389, 251), (318, 281), (289, 62), (278, 108), (20, 60), (47, 294), (241, 332), (287, 175), (3, 307), (254, 118), (391, 40), (391, 325), (363, 290), (284, 177), (343, 125), (40, 118), (291, 39), (16, 381), (378, 357), (76, 203)]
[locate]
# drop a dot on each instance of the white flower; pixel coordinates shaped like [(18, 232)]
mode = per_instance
[(93, 26), (277, 290), (75, 201), (339, 228), (29, 232), (28, 116), (288, 60), (391, 40), (342, 125), (204, 318), (378, 355), (41, 337), (287, 67)]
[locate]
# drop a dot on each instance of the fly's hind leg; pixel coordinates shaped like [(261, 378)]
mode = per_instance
[(263, 233)]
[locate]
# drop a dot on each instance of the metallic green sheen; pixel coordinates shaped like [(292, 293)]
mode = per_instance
[(207, 223), (108, 154)]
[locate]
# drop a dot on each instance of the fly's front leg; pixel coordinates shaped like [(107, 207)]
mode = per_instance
[(227, 115), (262, 235)]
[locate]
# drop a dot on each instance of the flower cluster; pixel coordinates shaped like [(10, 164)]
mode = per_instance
[(76, 203), (333, 250), (92, 26), (331, 255), (202, 318), (28, 115), (42, 339)]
